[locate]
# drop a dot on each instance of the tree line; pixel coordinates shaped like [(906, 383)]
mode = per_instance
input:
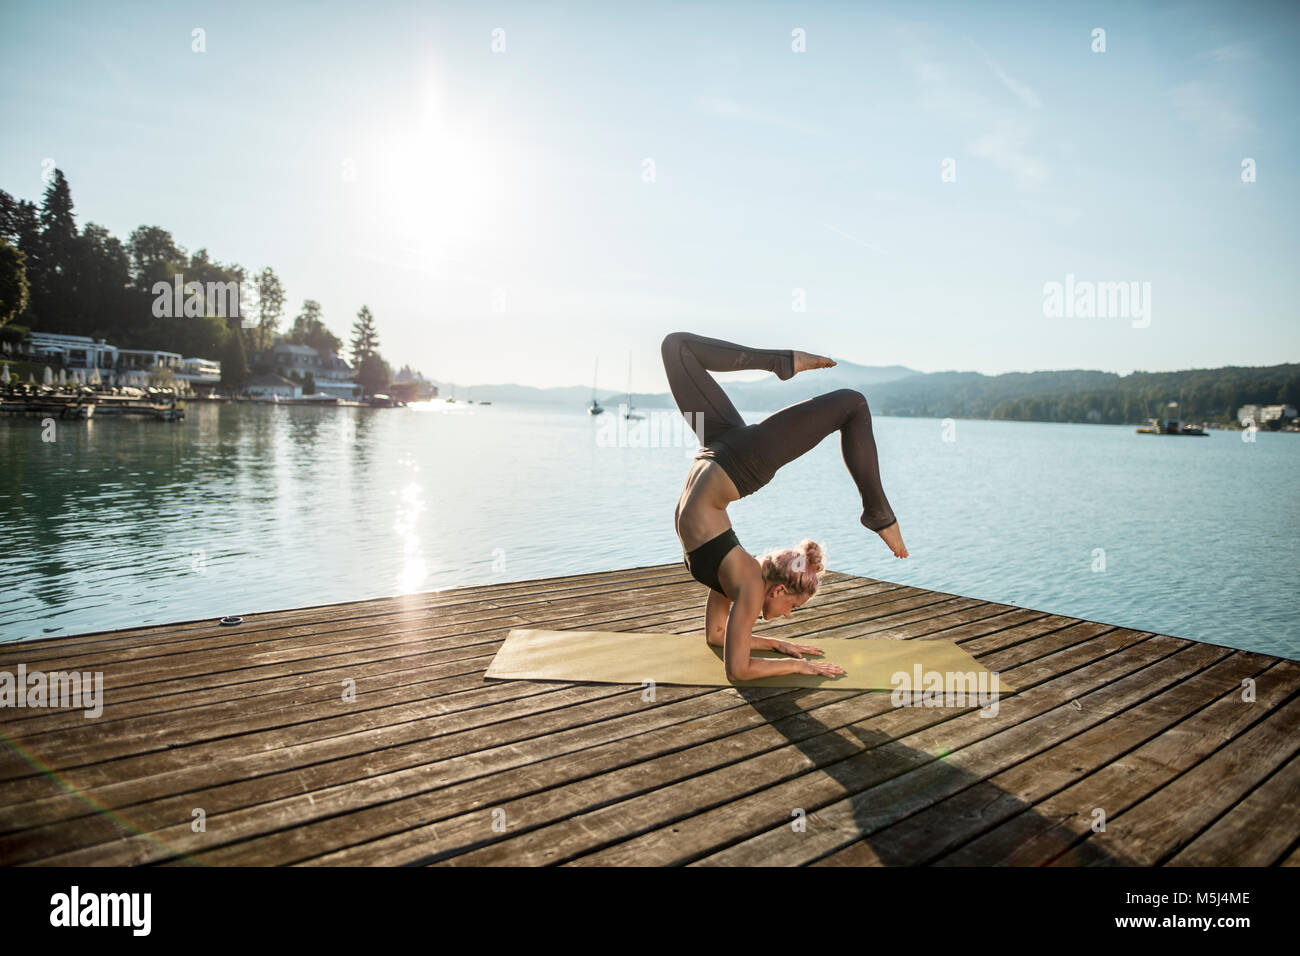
[(57, 278)]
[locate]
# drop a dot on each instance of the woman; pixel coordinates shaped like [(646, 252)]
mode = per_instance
[(735, 460)]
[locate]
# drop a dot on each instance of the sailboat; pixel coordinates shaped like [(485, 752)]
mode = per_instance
[(453, 395), (630, 415), (594, 408), (470, 401)]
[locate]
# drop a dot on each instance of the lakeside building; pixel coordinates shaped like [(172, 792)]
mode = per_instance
[(1271, 413), (1265, 413), (147, 360), (72, 351), (264, 386), (85, 353), (199, 371), (333, 375)]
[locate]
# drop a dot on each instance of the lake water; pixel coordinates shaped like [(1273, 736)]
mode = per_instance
[(244, 508)]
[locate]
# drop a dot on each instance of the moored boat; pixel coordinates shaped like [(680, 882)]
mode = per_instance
[(1171, 425)]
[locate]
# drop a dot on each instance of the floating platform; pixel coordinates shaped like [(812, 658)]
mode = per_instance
[(110, 405), (46, 409), (365, 733)]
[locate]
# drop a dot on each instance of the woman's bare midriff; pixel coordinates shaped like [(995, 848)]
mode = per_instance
[(702, 508)]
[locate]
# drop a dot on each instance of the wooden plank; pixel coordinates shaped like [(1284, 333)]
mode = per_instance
[(929, 834), (876, 789), (1159, 826), (1035, 836), (1257, 830)]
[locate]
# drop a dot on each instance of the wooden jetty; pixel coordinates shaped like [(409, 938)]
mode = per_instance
[(69, 409), (238, 745), (86, 406)]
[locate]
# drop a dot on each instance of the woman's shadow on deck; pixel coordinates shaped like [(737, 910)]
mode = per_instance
[(873, 758)]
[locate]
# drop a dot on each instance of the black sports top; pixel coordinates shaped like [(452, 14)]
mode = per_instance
[(703, 562)]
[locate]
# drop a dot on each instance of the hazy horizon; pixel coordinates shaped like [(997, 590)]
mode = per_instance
[(495, 208), (760, 376)]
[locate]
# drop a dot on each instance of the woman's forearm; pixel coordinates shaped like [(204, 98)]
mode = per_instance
[(717, 638), (770, 667)]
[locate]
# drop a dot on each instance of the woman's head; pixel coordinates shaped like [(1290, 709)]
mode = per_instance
[(791, 576)]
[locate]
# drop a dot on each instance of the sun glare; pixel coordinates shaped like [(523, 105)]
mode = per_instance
[(436, 186)]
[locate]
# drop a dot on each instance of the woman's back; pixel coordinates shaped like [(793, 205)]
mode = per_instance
[(702, 507)]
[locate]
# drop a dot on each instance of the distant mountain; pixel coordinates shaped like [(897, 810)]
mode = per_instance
[(1069, 395), (1081, 395), (770, 392), (578, 395), (973, 395)]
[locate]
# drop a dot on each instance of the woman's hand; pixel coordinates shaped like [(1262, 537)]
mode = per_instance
[(794, 650), (821, 668)]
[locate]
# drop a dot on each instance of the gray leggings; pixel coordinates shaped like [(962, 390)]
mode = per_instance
[(751, 454)]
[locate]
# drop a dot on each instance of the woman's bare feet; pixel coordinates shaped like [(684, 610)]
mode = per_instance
[(803, 361), (894, 538)]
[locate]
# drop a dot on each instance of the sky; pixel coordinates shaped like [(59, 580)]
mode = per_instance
[(521, 190)]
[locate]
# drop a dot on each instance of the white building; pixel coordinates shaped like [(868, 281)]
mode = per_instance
[(1248, 412), (199, 371), (147, 360), (1273, 412), (73, 351), (265, 386), (333, 376), (83, 352)]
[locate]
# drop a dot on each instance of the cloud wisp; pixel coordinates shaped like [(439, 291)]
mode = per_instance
[(1005, 134), (1022, 92)]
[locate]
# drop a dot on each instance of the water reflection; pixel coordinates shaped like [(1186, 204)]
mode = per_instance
[(413, 572), (245, 508)]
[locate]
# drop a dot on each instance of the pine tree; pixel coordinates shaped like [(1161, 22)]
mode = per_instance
[(58, 228), (270, 304), (365, 340), (56, 259)]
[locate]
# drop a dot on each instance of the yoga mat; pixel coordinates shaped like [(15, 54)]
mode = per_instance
[(613, 657)]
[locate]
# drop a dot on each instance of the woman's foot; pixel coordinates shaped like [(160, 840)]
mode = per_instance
[(894, 538), (803, 361)]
